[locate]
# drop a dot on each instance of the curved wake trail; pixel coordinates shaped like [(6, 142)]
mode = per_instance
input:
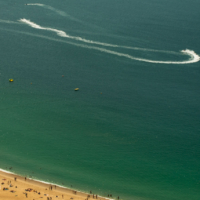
[(193, 56), (62, 13), (48, 7), (59, 12), (63, 34), (93, 47), (104, 44)]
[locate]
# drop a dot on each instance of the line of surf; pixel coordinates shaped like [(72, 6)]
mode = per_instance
[(193, 56), (48, 183)]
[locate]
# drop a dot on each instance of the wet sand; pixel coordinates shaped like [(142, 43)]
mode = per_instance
[(30, 189)]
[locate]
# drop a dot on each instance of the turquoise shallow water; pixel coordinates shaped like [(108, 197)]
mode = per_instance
[(132, 130)]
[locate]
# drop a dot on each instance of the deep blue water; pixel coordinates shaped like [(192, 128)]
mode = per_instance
[(132, 130)]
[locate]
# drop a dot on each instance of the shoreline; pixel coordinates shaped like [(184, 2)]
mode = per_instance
[(57, 190)]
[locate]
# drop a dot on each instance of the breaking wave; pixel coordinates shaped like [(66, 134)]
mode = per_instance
[(193, 56)]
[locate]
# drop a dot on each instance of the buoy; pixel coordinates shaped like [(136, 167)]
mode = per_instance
[(76, 89), (11, 80)]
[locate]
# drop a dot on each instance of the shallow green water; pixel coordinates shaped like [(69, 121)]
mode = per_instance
[(132, 130)]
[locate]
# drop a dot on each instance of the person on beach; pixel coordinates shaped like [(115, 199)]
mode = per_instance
[(25, 178), (15, 178), (96, 197), (118, 197)]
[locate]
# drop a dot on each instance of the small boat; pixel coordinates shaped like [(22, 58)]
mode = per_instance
[(11, 80), (76, 89)]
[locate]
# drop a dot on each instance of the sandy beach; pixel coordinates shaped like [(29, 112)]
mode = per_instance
[(16, 187)]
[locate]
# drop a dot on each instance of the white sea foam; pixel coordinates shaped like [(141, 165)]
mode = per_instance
[(193, 56), (48, 183), (5, 171)]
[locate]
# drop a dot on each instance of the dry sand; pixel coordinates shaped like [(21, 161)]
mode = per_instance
[(39, 190)]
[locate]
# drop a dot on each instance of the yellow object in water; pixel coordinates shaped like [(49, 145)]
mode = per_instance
[(11, 80), (76, 89)]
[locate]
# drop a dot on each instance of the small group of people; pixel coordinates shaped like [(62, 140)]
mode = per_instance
[(29, 189), (95, 196)]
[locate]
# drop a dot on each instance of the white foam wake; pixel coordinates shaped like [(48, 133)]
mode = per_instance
[(8, 21), (63, 34), (62, 13), (59, 12), (193, 56)]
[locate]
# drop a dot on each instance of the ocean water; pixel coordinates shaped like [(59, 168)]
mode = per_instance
[(133, 128)]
